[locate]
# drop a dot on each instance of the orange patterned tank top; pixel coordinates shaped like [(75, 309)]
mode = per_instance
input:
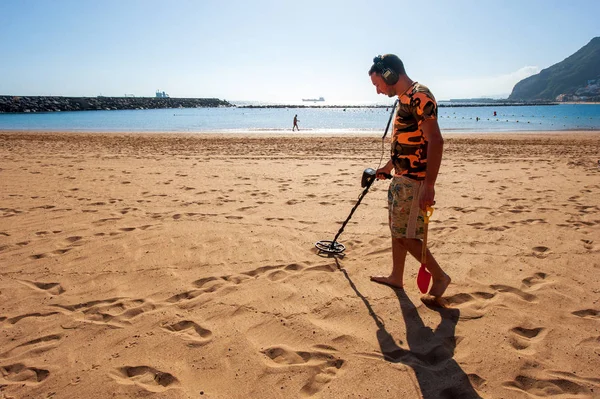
[(409, 147)]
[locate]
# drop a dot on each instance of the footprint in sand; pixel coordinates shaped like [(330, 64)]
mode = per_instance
[(281, 273), (541, 251), (537, 280), (309, 222), (472, 306), (16, 319), (148, 378), (33, 347), (527, 222), (19, 374), (522, 338), (221, 284), (51, 288), (477, 225), (246, 208), (593, 342), (497, 228), (515, 291), (203, 285), (589, 245), (100, 221), (73, 239), (115, 312), (190, 331), (548, 387), (322, 367), (587, 313)]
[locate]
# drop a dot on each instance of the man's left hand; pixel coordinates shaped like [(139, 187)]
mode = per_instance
[(427, 197)]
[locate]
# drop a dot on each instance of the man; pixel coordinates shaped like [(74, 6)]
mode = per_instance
[(416, 155), (296, 120)]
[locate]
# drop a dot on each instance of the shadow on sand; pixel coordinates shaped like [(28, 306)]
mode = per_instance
[(430, 352)]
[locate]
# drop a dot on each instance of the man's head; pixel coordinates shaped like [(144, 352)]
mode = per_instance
[(385, 73)]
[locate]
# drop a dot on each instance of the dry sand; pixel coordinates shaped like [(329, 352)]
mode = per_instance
[(174, 266)]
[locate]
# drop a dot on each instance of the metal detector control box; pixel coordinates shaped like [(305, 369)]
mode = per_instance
[(367, 177)]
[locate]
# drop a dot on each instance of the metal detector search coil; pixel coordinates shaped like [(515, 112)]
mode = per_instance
[(330, 247)]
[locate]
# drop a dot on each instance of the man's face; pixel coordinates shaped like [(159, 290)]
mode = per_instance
[(381, 86)]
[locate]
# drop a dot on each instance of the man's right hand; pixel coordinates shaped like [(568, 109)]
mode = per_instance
[(382, 174)]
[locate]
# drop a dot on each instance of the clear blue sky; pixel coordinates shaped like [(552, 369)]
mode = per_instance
[(282, 50)]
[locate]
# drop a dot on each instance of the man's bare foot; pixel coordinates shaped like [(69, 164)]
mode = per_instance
[(389, 281), (439, 286)]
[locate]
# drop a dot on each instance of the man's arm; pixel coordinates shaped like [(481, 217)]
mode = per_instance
[(435, 148), (385, 170)]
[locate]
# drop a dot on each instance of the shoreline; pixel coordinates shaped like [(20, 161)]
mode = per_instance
[(283, 133), (304, 134)]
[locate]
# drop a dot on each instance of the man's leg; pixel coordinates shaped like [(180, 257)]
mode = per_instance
[(440, 279), (400, 246), (396, 279)]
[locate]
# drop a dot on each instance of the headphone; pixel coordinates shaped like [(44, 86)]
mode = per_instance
[(389, 76)]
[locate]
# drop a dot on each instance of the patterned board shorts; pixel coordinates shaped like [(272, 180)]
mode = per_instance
[(406, 219)]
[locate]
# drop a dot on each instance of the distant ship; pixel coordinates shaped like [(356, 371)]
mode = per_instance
[(313, 99)]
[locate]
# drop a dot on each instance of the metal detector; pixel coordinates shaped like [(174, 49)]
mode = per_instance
[(368, 177)]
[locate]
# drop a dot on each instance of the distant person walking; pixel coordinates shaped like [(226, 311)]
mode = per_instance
[(296, 120)]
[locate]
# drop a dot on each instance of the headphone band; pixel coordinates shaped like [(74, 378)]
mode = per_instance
[(378, 61), (389, 76)]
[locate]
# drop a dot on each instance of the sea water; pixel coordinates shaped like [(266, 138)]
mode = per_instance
[(337, 120)]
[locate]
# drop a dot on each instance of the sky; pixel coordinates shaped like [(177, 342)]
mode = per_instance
[(279, 50)]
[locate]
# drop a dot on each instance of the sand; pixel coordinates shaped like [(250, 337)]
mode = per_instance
[(181, 266)]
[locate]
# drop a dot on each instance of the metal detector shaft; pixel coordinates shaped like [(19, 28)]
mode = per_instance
[(390, 120), (361, 196)]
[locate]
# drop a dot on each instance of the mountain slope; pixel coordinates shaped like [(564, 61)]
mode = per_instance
[(563, 78)]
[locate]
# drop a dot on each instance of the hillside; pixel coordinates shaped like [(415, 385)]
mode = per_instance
[(575, 78)]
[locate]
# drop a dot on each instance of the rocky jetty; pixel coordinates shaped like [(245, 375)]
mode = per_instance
[(15, 104)]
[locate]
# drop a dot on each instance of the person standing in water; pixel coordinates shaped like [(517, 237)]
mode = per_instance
[(296, 120), (416, 155)]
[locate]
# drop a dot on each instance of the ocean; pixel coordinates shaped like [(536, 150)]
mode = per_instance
[(311, 120)]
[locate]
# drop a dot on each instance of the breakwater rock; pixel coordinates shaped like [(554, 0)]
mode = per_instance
[(53, 104)]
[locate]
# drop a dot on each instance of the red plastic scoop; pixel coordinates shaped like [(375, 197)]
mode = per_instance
[(424, 277)]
